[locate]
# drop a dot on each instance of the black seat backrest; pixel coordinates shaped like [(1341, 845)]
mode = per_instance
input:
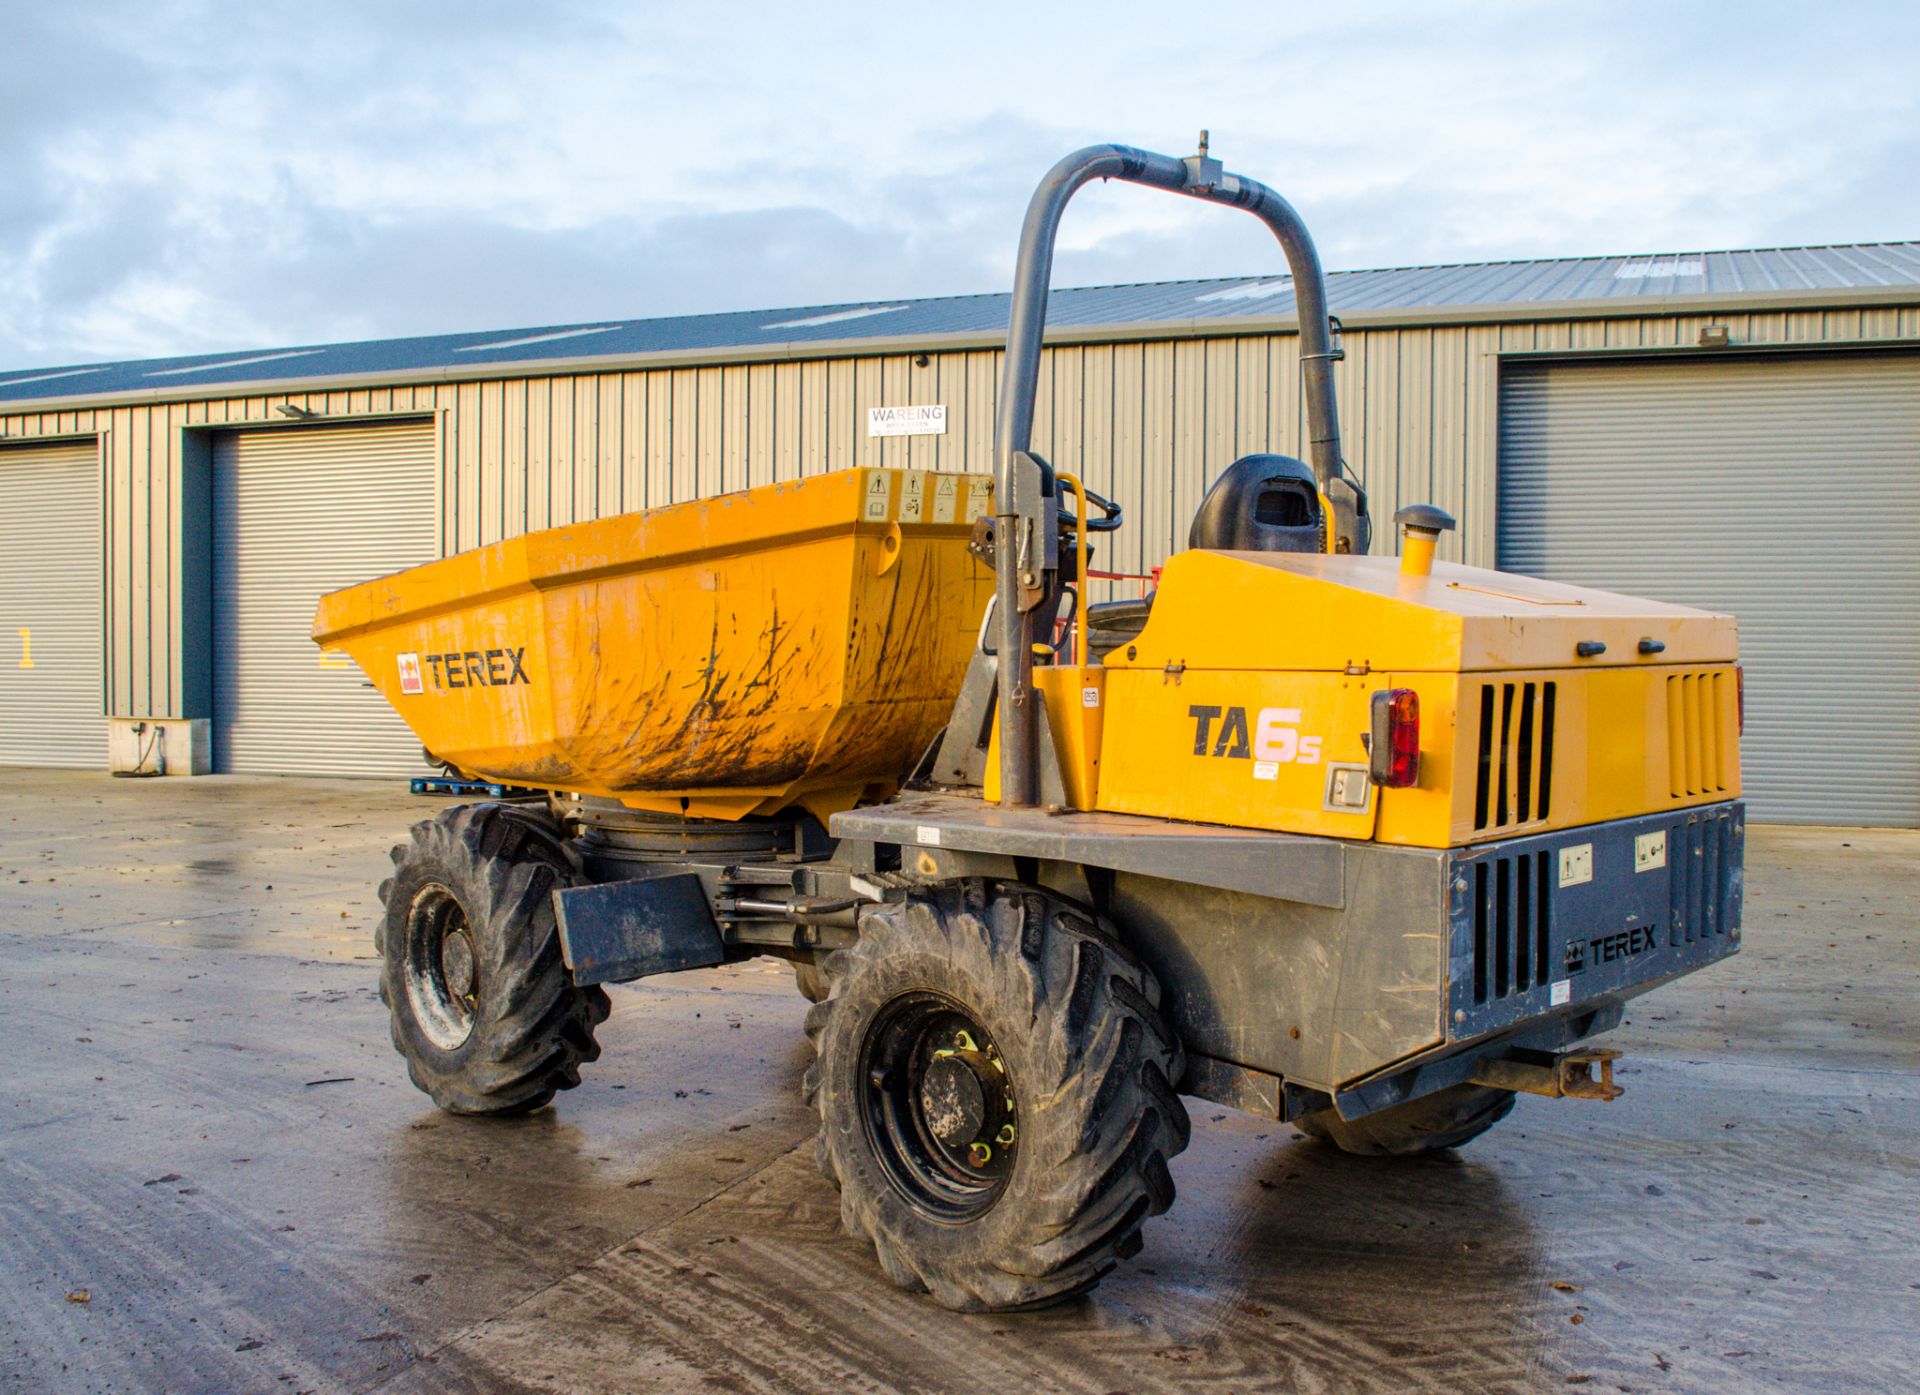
[(1111, 624), (1261, 503)]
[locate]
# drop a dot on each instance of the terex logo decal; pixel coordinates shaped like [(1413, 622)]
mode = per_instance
[(1608, 949), (1272, 739), (471, 668)]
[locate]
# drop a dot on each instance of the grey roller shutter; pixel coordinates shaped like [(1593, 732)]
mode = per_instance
[(1784, 491), (51, 630), (298, 513)]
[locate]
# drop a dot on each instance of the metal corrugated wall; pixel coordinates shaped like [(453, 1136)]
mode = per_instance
[(298, 513), (50, 685), (1150, 421), (1784, 492)]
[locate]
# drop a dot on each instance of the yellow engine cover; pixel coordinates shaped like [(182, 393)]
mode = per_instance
[(1246, 700)]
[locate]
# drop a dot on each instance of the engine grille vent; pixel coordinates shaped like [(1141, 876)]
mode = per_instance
[(1696, 760), (1702, 902), (1512, 917), (1514, 784)]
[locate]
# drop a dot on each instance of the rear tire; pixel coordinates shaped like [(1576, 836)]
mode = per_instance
[(1447, 1118), (993, 1089), (482, 1008)]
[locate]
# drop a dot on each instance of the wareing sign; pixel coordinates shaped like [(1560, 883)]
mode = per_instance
[(930, 420)]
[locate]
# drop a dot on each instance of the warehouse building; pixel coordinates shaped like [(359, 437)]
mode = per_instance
[(1737, 430)]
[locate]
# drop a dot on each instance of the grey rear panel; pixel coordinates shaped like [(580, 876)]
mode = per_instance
[(1546, 924)]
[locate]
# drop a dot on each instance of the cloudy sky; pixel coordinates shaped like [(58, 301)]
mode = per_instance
[(187, 177)]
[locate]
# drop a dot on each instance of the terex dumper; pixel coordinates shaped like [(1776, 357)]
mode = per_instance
[(1363, 843)]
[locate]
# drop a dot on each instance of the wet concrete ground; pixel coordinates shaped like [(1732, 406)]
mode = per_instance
[(214, 1176)]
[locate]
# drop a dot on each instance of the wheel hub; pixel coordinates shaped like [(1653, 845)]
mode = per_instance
[(940, 1106), (456, 962), (441, 967), (954, 1100)]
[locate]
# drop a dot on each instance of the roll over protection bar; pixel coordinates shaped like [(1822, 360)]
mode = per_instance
[(1025, 506)]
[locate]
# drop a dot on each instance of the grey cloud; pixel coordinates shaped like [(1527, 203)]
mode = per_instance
[(311, 274), (1875, 196), (57, 73), (1697, 125), (55, 78)]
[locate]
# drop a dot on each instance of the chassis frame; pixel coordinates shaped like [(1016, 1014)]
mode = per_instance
[(1297, 971)]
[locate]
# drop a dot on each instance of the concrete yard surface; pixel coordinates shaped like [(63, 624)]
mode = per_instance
[(214, 1176)]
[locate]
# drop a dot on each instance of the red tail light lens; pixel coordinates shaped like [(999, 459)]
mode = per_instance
[(1394, 750), (1740, 694)]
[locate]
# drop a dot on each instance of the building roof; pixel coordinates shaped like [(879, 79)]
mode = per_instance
[(1884, 272)]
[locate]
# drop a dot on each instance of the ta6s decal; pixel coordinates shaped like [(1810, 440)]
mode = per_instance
[(1271, 740)]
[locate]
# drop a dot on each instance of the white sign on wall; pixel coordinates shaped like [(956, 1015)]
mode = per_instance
[(929, 420)]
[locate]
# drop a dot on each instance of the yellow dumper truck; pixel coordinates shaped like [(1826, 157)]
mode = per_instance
[(1364, 843)]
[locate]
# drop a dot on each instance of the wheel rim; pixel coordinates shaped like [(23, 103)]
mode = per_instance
[(940, 1108), (442, 967)]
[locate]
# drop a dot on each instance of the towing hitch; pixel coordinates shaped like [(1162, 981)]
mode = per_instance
[(1557, 1075)]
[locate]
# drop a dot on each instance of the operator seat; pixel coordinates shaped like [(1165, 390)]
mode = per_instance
[(1260, 503)]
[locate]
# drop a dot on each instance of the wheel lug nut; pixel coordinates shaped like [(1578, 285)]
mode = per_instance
[(979, 1154), (1005, 1137)]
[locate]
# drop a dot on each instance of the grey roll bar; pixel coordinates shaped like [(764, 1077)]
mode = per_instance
[(1023, 499)]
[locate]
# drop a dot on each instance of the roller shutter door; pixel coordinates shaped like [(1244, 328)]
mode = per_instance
[(298, 513), (51, 628), (1786, 492)]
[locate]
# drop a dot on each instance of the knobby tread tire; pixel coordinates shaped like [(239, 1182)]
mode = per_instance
[(811, 980), (1077, 1018), (533, 1027), (1447, 1118)]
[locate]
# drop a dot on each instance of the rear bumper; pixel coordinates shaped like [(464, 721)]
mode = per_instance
[(1564, 920), (1548, 937)]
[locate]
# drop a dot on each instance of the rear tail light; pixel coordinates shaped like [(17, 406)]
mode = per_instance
[(1740, 695), (1394, 747)]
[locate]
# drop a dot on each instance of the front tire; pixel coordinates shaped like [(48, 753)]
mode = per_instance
[(811, 980), (482, 1007), (993, 1085), (1447, 1118)]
